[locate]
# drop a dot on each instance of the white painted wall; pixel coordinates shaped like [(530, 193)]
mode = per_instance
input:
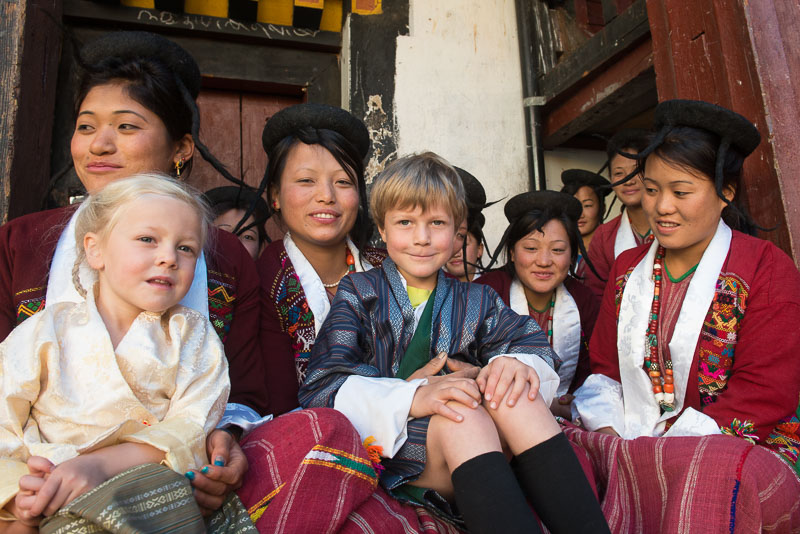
[(458, 92)]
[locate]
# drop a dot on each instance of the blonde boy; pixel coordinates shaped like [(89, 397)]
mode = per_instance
[(441, 435)]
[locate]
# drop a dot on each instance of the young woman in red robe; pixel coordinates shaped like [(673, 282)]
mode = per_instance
[(541, 245), (629, 229), (697, 331)]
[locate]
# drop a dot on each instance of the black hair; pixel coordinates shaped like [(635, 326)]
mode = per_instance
[(695, 151), (631, 140), (152, 83), (344, 152), (599, 191), (534, 221), (237, 200)]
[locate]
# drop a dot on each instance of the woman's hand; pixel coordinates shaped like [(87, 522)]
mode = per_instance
[(505, 377), (213, 483), (433, 397), (458, 369), (562, 406)]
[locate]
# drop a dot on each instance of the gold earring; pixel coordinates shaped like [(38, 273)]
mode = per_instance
[(178, 167)]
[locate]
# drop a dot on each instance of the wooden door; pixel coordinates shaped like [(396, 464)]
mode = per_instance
[(231, 123)]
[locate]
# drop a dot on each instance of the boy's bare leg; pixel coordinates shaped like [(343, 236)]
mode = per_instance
[(466, 464), (547, 468), (449, 444)]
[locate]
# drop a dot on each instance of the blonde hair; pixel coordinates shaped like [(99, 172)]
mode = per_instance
[(101, 211), (420, 180)]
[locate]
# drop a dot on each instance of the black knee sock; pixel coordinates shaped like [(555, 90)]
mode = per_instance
[(556, 486), (489, 497)]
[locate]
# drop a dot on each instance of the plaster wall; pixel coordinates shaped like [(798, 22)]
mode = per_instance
[(458, 92)]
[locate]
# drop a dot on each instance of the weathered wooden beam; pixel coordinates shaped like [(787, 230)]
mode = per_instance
[(623, 90), (30, 40), (619, 34), (156, 20), (727, 52)]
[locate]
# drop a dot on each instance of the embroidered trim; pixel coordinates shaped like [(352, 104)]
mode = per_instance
[(375, 452), (718, 337), (31, 290), (27, 308), (221, 299), (785, 438)]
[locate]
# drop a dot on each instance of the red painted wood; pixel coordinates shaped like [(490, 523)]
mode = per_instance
[(220, 131), (703, 50), (256, 109), (624, 69)]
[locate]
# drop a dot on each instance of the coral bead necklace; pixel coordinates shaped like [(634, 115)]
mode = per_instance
[(663, 386)]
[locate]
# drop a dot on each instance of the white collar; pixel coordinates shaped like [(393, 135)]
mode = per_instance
[(61, 289), (642, 414), (625, 239), (316, 296), (566, 329)]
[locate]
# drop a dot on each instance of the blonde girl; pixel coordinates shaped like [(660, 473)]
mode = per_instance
[(122, 380)]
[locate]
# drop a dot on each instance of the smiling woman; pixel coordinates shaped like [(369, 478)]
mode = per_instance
[(539, 280), (316, 187), (679, 344)]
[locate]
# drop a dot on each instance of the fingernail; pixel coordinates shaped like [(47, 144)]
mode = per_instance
[(190, 475), (511, 403), (488, 396), (442, 355), (460, 418), (204, 470), (474, 404), (562, 398), (220, 461), (494, 406)]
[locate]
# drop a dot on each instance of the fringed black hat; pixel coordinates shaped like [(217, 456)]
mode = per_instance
[(130, 46), (582, 177), (543, 201), (733, 130), (319, 116), (238, 197)]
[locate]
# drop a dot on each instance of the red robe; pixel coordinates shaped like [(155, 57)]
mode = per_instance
[(601, 254), (746, 358), (588, 307), (27, 245), (287, 324)]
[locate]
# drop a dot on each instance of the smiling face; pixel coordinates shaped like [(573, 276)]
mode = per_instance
[(419, 242), (590, 216), (317, 199), (683, 209), (116, 137), (146, 261), (629, 193), (542, 259), (249, 238)]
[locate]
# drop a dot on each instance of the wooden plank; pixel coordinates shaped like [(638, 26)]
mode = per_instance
[(11, 21), (256, 111), (29, 75), (622, 32), (621, 90), (221, 132), (774, 27), (159, 21)]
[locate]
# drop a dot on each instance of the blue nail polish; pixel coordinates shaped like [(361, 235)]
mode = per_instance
[(219, 461), (204, 470), (189, 475)]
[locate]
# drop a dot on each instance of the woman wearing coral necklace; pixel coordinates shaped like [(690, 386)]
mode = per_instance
[(699, 333), (541, 244)]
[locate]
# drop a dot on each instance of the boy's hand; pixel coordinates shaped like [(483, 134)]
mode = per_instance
[(213, 483), (505, 377), (457, 368), (66, 482), (433, 397)]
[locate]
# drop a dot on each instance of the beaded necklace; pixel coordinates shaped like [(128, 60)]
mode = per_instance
[(549, 308), (663, 387), (351, 267)]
